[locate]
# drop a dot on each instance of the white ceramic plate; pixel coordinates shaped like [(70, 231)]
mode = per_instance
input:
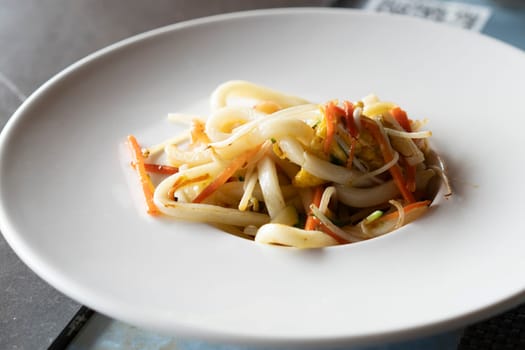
[(68, 211)]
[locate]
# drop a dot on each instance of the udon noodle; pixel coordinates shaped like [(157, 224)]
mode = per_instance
[(281, 170)]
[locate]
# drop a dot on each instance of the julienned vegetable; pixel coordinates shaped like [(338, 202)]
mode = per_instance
[(147, 185), (281, 170)]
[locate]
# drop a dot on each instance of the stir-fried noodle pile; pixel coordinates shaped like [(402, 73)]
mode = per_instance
[(282, 170)]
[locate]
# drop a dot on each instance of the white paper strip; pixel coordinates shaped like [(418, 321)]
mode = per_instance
[(467, 16)]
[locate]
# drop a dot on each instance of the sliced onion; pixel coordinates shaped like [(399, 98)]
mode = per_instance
[(209, 213), (293, 150), (328, 193), (222, 122), (248, 90), (409, 135), (293, 236), (367, 197), (326, 170), (273, 197)]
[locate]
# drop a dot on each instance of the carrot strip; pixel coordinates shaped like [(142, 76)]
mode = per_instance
[(352, 129), (401, 184), (410, 174), (226, 174), (349, 116), (312, 221), (411, 177), (330, 127), (395, 171), (145, 181), (332, 113), (158, 168), (401, 117)]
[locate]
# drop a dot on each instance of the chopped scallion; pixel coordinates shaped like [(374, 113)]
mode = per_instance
[(374, 216)]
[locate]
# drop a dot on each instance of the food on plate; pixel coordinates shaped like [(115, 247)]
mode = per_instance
[(282, 170)]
